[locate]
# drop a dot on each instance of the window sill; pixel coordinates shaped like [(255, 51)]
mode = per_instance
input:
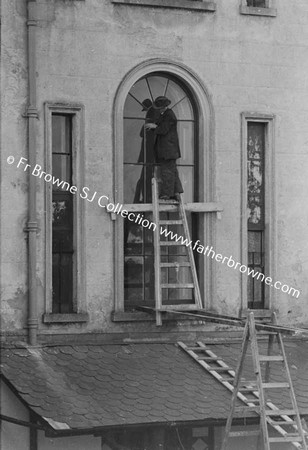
[(193, 5), (138, 316), (65, 318), (256, 11)]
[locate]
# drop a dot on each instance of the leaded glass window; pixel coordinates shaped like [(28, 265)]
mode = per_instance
[(256, 210)]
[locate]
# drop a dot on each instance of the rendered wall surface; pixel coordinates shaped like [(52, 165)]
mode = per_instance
[(13, 437), (84, 50)]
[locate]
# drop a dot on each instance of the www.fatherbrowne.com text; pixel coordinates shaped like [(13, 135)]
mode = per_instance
[(103, 202)]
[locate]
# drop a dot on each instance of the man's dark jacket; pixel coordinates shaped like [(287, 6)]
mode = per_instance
[(167, 141)]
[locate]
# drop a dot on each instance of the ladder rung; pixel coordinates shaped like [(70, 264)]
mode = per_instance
[(280, 422), (280, 412), (220, 369), (177, 286), (275, 385), (168, 201), (287, 438), (271, 358), (171, 222), (244, 433), (174, 264), (209, 358), (251, 389), (169, 243), (244, 409)]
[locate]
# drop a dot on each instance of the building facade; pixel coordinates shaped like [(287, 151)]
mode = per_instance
[(74, 268)]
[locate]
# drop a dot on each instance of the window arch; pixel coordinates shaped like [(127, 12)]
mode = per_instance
[(191, 103)]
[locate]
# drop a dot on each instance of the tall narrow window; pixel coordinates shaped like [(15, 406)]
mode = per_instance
[(65, 272), (62, 216), (256, 210)]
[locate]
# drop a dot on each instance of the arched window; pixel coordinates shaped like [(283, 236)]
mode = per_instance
[(133, 164), (138, 171)]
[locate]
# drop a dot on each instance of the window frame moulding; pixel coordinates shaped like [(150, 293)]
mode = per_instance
[(76, 110), (270, 205), (200, 5)]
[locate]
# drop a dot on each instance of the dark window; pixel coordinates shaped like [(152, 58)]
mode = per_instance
[(257, 3), (138, 171), (256, 211), (62, 215)]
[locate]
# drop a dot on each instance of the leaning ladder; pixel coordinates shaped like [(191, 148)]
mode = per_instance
[(286, 422), (160, 306)]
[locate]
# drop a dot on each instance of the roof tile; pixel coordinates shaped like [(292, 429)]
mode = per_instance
[(91, 386)]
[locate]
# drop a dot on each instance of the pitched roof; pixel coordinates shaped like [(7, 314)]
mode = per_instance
[(82, 387)]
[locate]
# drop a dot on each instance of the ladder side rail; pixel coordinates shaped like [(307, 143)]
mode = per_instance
[(249, 402), (156, 237), (257, 369), (292, 393), (299, 426), (236, 385), (230, 387), (197, 294)]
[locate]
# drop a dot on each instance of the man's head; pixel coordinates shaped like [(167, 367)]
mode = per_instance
[(161, 102), (146, 104)]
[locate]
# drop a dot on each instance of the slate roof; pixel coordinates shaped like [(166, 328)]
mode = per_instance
[(83, 387)]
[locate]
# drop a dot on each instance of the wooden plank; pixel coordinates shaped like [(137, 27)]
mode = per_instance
[(280, 412), (275, 385), (156, 238), (209, 207), (270, 358), (171, 222), (179, 308), (169, 243), (257, 370), (178, 286), (286, 438), (197, 294), (175, 264)]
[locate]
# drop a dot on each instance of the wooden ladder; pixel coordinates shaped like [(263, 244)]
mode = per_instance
[(286, 422), (181, 221)]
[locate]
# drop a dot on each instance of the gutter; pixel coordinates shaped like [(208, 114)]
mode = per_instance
[(32, 225)]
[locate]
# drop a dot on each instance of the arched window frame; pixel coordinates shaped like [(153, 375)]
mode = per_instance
[(206, 126)]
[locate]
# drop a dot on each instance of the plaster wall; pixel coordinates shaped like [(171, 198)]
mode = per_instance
[(84, 50), (13, 437)]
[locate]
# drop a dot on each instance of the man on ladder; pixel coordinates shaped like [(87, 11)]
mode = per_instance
[(166, 149)]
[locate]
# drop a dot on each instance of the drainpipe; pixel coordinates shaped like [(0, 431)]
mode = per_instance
[(32, 225)]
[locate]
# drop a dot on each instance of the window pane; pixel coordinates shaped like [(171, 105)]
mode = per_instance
[(187, 178), (183, 109), (137, 184), (255, 174), (61, 135), (187, 142), (157, 85), (133, 108), (134, 147), (257, 3), (62, 216), (140, 91), (61, 170)]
